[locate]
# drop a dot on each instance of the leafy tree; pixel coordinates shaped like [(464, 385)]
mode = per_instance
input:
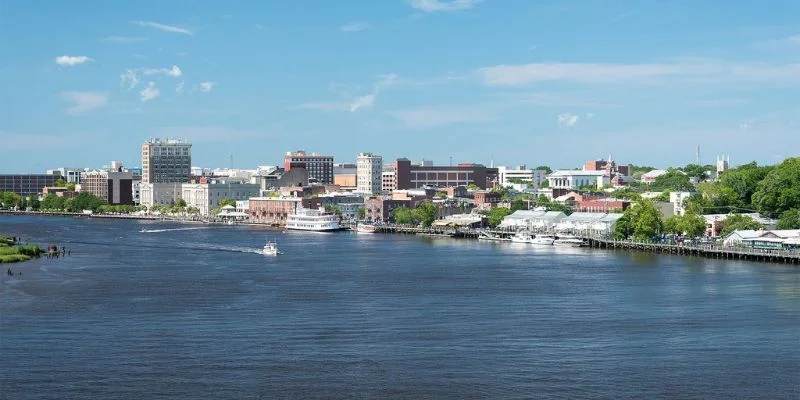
[(645, 220), (60, 182), (545, 184), (696, 171), (518, 204), (473, 186), (744, 180), (52, 202), (673, 180), (427, 212), (496, 215), (789, 219), (693, 225), (226, 202), (334, 208), (33, 202), (736, 222), (627, 194), (362, 213), (779, 191), (673, 224), (84, 201), (182, 203), (10, 199), (70, 186), (721, 198), (406, 216), (547, 170), (623, 228), (192, 210), (636, 171)]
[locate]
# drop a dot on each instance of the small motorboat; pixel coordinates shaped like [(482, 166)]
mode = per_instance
[(365, 228), (270, 249)]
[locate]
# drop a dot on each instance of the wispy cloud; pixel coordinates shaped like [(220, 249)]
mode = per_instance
[(720, 102), (443, 5), (84, 101), (69, 61), (124, 39), (746, 125), (206, 87), (687, 70), (179, 88), (354, 103), (621, 17), (163, 27), (354, 27), (130, 78), (589, 115), (567, 120), (149, 93), (173, 72), (439, 116)]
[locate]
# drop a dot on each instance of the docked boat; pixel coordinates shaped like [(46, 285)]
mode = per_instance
[(270, 249), (522, 237), (568, 241), (316, 220), (543, 239), (365, 228)]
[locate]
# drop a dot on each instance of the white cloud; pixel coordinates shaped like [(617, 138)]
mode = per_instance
[(162, 27), (124, 39), (720, 102), (84, 101), (589, 115), (443, 5), (129, 79), (179, 88), (206, 87), (69, 61), (746, 125), (363, 102), (149, 93), (439, 116), (567, 120), (173, 72), (354, 27), (684, 70)]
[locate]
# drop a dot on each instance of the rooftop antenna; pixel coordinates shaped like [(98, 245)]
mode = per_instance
[(491, 162)]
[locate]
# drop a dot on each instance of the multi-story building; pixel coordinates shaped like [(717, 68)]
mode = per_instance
[(113, 185), (409, 176), (565, 181), (207, 194), (26, 184), (166, 161), (69, 175), (320, 168), (388, 183), (607, 165), (272, 210), (369, 174), (166, 164), (344, 176), (520, 175), (379, 209)]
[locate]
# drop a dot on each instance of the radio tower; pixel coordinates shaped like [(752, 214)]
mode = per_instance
[(698, 155)]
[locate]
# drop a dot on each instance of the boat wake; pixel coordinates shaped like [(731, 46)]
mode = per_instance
[(171, 229), (232, 249)]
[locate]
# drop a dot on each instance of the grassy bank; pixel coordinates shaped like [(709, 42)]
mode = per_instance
[(9, 252)]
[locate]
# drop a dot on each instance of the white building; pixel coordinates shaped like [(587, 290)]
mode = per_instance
[(650, 176), (70, 175), (533, 219), (678, 200), (206, 196), (387, 182), (575, 179), (589, 223), (369, 174), (151, 194), (508, 176)]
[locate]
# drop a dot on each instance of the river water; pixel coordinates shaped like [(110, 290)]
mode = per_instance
[(188, 312)]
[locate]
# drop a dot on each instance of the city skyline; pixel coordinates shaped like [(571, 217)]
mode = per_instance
[(513, 81)]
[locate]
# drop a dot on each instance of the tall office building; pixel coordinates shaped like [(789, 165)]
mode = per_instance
[(319, 167), (113, 185), (369, 169), (166, 161)]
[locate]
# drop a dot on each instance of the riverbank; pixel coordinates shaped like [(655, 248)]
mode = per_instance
[(11, 251)]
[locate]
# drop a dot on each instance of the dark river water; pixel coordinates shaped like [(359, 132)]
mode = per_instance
[(190, 312)]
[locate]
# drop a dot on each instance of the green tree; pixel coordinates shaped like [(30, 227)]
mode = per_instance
[(10, 199), (518, 204), (51, 202), (627, 194), (406, 216), (674, 180), (692, 225), (779, 191), (744, 180), (473, 186), (623, 228), (362, 213), (60, 182), (789, 219), (636, 171), (547, 170), (334, 208), (227, 202), (645, 220), (695, 171), (427, 212), (33, 202), (736, 222), (70, 186), (673, 224), (182, 203), (496, 215), (721, 198)]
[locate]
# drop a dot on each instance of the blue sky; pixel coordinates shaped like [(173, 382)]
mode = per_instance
[(516, 81)]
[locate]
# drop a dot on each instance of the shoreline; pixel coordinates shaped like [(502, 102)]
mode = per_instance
[(754, 255)]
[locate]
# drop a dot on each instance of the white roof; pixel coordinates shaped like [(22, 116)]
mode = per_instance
[(576, 172), (654, 173), (746, 234), (228, 207), (592, 217)]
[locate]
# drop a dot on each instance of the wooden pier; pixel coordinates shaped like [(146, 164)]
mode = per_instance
[(702, 250)]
